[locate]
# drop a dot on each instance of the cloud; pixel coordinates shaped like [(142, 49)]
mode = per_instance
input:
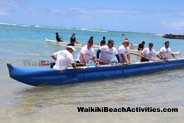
[(88, 13), (103, 11), (8, 6), (47, 11), (3, 12), (123, 11), (177, 25), (182, 14), (57, 11), (8, 3), (159, 11)]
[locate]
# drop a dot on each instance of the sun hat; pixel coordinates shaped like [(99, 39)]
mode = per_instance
[(71, 47)]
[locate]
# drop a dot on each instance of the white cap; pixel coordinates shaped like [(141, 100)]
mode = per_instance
[(72, 47)]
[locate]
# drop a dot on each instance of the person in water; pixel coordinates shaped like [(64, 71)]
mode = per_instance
[(73, 39), (58, 38), (103, 41)]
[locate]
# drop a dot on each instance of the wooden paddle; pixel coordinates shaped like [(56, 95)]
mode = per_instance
[(134, 53), (46, 63)]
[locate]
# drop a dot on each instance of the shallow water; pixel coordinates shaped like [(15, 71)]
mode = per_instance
[(26, 104)]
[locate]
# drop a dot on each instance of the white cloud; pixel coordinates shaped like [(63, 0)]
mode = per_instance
[(8, 6), (123, 11), (6, 3), (103, 11), (3, 13), (177, 25), (57, 11), (182, 14), (47, 11), (9, 1)]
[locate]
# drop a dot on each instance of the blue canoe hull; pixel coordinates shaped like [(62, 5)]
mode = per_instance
[(48, 76)]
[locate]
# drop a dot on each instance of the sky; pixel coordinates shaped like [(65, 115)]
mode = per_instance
[(156, 16)]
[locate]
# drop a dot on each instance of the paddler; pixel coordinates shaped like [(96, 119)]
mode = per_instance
[(86, 54), (148, 53), (166, 52), (64, 58), (106, 53), (73, 39), (124, 52)]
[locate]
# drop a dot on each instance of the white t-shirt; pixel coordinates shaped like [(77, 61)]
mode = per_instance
[(63, 59), (107, 54), (149, 53), (166, 52), (123, 50), (90, 53)]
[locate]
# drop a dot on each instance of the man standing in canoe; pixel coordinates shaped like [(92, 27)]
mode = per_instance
[(124, 52), (166, 52), (58, 38), (107, 53), (86, 54), (73, 39), (64, 58)]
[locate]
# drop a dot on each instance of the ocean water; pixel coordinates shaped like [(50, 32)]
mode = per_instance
[(26, 104)]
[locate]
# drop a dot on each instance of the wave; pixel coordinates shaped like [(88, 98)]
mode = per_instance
[(93, 30), (160, 34), (24, 25), (8, 24), (33, 26), (85, 29), (52, 27)]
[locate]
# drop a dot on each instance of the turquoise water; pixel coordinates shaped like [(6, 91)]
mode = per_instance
[(23, 103)]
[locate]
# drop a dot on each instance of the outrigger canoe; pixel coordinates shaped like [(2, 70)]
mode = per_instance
[(65, 43), (48, 76), (96, 46)]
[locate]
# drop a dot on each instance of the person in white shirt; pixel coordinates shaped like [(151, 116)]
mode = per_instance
[(107, 53), (124, 52), (166, 52), (64, 58), (148, 53), (86, 54)]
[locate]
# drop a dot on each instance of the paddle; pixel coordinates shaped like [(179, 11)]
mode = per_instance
[(109, 63), (134, 53), (102, 62), (46, 63)]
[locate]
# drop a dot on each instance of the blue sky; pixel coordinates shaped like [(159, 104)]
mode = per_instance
[(157, 16)]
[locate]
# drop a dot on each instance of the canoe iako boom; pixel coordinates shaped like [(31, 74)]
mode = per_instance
[(48, 76)]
